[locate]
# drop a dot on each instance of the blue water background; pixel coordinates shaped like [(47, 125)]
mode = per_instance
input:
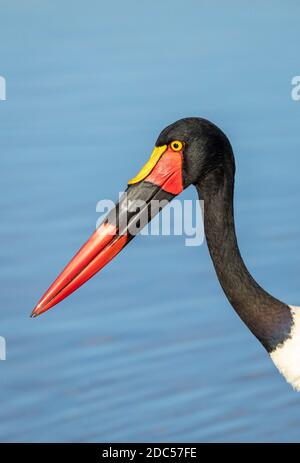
[(150, 349)]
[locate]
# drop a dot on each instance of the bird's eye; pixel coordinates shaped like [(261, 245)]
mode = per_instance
[(176, 145)]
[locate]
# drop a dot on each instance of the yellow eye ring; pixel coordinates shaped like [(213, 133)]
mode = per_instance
[(176, 145)]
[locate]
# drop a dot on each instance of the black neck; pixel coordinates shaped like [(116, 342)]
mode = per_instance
[(268, 319)]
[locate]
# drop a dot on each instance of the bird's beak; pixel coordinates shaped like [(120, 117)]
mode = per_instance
[(159, 181)]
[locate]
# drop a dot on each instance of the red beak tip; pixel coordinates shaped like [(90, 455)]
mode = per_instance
[(35, 313)]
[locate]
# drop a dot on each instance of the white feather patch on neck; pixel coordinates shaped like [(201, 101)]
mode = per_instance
[(287, 356)]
